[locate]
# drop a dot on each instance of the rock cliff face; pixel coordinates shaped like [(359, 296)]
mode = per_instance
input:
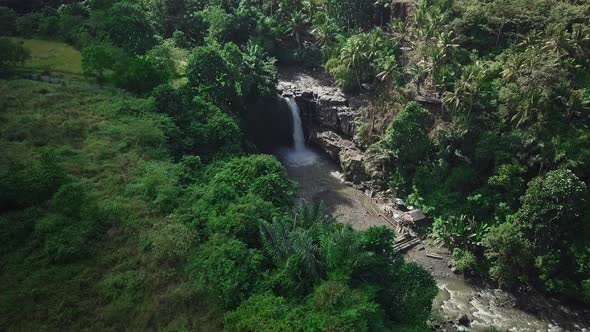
[(322, 107), (329, 123)]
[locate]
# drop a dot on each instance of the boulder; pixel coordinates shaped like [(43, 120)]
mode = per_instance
[(465, 321), (344, 152), (351, 161)]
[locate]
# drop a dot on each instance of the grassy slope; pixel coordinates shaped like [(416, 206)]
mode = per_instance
[(51, 56), (101, 142)]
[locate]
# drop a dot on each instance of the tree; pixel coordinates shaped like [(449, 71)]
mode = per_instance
[(226, 270), (351, 14), (262, 312), (139, 75), (258, 75), (97, 59), (363, 57), (552, 210), (509, 253), (209, 73), (12, 54), (298, 26), (408, 143), (7, 21), (128, 27), (467, 89), (535, 88)]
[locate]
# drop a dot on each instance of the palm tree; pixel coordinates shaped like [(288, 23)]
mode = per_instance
[(298, 26), (312, 215), (467, 89), (343, 253), (298, 240), (353, 56), (387, 67), (324, 33), (310, 8)]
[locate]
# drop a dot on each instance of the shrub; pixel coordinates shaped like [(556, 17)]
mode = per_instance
[(225, 269), (140, 75), (413, 291), (7, 21), (209, 73), (408, 143), (170, 241), (509, 253), (23, 185), (464, 260), (11, 54), (262, 312), (335, 307), (97, 59), (260, 175)]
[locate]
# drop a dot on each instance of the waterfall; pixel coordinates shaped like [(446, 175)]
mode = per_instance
[(298, 137), (299, 155)]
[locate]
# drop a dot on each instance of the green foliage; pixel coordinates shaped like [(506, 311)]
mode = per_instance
[(201, 127), (128, 27), (408, 135), (336, 307), (242, 219), (362, 58), (97, 59), (159, 185), (464, 260), (551, 216), (262, 312), (11, 54), (459, 231), (148, 212), (24, 185), (210, 73), (408, 143), (123, 290), (8, 18), (140, 75), (552, 209), (350, 14), (230, 77), (170, 241), (411, 295), (163, 57), (510, 254), (261, 175), (225, 269)]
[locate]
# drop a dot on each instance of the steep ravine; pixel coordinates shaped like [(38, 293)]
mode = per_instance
[(329, 122)]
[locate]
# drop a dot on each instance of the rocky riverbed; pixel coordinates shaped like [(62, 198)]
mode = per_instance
[(340, 176), (460, 305)]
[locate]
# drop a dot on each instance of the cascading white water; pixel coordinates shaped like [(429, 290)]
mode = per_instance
[(299, 155), (298, 137)]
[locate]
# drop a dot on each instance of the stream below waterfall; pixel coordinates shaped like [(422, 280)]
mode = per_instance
[(319, 179)]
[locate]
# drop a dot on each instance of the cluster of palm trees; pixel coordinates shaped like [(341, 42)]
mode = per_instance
[(312, 240)]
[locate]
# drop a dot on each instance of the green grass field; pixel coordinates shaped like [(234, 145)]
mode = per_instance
[(51, 56)]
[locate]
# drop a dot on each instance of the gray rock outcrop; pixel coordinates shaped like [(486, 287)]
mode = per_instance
[(323, 108), (345, 152)]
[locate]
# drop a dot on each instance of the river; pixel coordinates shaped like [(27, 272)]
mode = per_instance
[(319, 179)]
